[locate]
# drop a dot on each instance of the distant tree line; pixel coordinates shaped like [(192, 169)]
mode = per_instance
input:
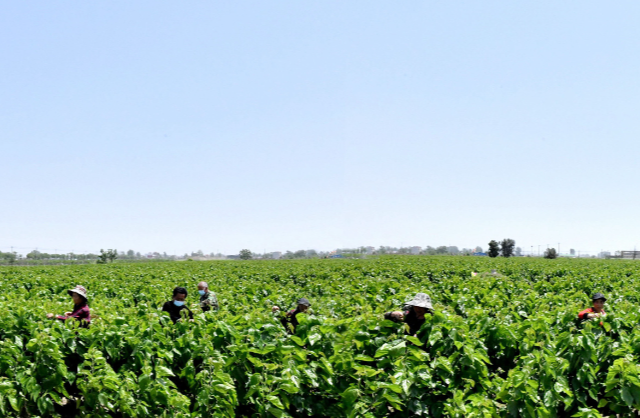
[(36, 257), (357, 252)]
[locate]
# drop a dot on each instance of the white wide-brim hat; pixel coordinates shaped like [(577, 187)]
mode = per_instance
[(79, 290), (421, 300)]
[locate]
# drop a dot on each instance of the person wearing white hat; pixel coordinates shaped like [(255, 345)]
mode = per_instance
[(414, 316), (80, 311)]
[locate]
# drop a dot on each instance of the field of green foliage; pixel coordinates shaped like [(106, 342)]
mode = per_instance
[(507, 345)]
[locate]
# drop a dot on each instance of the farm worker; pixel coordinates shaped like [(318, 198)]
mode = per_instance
[(177, 304), (291, 316), (414, 316), (597, 310), (80, 307), (208, 299)]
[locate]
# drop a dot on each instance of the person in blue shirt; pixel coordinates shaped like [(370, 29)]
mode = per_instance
[(175, 306)]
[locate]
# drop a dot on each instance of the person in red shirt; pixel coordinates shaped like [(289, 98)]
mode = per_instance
[(597, 310)]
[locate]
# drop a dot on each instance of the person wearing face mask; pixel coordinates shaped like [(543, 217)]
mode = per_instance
[(175, 306), (208, 299), (414, 315), (80, 307), (291, 316)]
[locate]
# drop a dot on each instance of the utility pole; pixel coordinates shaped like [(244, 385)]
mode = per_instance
[(558, 249)]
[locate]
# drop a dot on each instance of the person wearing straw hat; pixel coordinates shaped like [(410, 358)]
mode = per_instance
[(80, 311), (291, 316), (414, 315), (597, 310)]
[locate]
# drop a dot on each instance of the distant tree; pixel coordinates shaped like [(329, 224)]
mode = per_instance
[(478, 249), (8, 257), (442, 250), (245, 254), (429, 250), (112, 255), (138, 255), (35, 255), (572, 251), (106, 256), (494, 249), (312, 253), (518, 251), (103, 257), (131, 253), (453, 250), (507, 245), (300, 254), (550, 253)]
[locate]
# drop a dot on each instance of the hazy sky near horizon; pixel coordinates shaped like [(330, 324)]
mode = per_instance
[(284, 125)]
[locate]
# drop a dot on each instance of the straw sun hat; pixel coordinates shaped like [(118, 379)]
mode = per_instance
[(79, 290), (421, 300)]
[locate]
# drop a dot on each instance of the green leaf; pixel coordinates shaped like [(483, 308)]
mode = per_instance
[(297, 340), (414, 340), (627, 396), (163, 371), (314, 338), (14, 402), (144, 382), (395, 388), (382, 351), (275, 401), (350, 396)]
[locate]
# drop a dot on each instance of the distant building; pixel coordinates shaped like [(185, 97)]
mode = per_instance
[(276, 255), (416, 250), (631, 255), (369, 250), (480, 254)]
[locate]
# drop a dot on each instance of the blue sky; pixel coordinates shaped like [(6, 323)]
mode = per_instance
[(178, 126)]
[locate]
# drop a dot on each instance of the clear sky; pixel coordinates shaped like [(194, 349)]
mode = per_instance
[(282, 125)]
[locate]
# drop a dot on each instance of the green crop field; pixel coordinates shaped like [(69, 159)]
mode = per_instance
[(507, 345)]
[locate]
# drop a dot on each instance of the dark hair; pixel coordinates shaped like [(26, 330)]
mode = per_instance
[(180, 290)]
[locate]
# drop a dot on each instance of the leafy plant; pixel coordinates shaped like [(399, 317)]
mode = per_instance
[(497, 345)]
